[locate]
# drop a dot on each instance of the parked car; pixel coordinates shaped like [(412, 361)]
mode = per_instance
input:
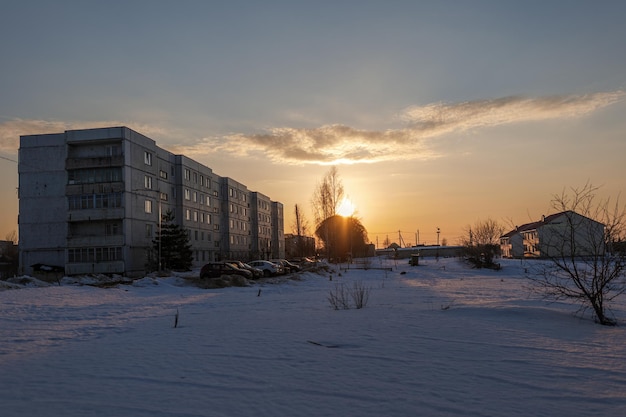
[(303, 262), (256, 272), (268, 268), (287, 266), (217, 269)]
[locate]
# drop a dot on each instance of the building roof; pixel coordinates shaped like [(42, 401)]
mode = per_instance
[(535, 225)]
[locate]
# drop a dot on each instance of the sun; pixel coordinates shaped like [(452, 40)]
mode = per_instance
[(346, 208)]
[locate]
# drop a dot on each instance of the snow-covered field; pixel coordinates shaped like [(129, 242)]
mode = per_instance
[(435, 340)]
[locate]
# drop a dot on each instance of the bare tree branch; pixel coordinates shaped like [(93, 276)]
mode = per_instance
[(585, 251)]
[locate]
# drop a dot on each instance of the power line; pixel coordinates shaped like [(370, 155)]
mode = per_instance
[(8, 159)]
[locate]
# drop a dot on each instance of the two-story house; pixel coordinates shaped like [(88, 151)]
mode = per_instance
[(561, 234)]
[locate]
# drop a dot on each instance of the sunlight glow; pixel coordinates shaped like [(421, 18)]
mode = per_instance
[(346, 208)]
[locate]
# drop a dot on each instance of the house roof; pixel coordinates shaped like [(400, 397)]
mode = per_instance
[(538, 224)]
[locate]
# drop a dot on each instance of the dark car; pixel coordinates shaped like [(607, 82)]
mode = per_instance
[(217, 269), (256, 272)]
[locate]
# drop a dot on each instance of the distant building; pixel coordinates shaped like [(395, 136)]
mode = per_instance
[(299, 246), (561, 234), (434, 251), (8, 259), (90, 201), (7, 248)]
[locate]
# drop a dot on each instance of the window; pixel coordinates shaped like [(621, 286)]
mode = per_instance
[(148, 230), (113, 150), (201, 180), (188, 214), (94, 175), (187, 174), (187, 194), (195, 177), (82, 255), (202, 199), (232, 224), (91, 201), (195, 216), (163, 174), (195, 197), (147, 158), (208, 219), (163, 196), (148, 206), (148, 181), (111, 229)]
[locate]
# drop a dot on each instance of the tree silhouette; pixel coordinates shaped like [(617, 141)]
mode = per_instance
[(175, 249), (326, 200), (482, 242), (343, 237)]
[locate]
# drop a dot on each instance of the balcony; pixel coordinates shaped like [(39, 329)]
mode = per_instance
[(96, 188), (90, 241), (96, 162), (95, 214), (111, 267)]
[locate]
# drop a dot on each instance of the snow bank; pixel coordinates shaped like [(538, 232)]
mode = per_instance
[(439, 340)]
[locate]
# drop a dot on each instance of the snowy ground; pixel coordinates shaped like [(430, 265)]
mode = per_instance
[(437, 340)]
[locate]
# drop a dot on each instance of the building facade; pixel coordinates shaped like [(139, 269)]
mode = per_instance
[(566, 234), (93, 200)]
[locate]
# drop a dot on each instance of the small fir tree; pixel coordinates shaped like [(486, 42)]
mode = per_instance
[(176, 253)]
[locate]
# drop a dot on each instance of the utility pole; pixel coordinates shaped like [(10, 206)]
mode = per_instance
[(438, 231)]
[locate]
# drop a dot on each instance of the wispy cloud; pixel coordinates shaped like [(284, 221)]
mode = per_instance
[(438, 118), (337, 143)]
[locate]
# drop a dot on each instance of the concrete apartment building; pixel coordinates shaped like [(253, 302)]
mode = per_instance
[(91, 201)]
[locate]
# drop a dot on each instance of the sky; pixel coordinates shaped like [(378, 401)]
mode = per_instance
[(437, 114)]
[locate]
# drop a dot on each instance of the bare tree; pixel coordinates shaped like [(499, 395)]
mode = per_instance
[(327, 196), (482, 242), (325, 201), (300, 230), (11, 236), (300, 223), (586, 262)]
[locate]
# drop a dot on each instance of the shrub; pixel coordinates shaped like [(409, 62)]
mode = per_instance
[(342, 297)]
